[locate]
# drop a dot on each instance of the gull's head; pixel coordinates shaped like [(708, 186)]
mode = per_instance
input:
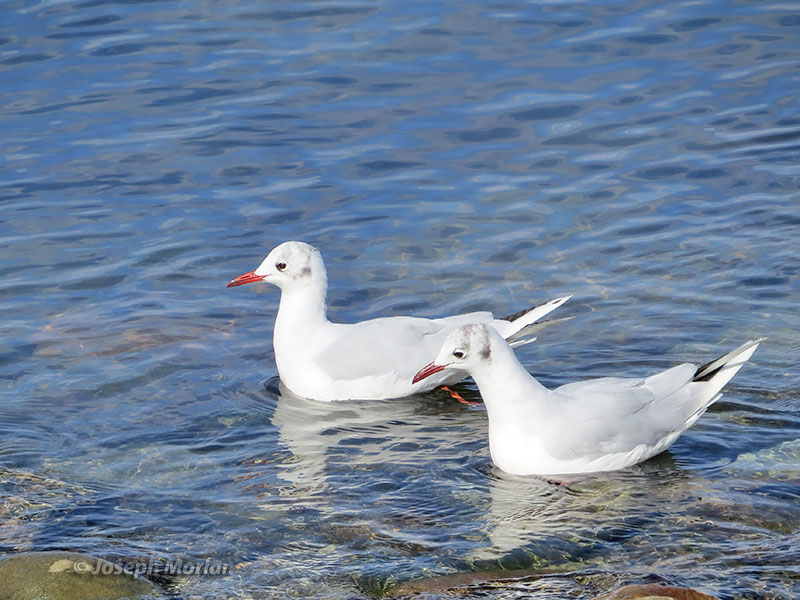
[(467, 348), (290, 265)]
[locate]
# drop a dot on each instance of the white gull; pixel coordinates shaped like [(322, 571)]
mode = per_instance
[(588, 426), (372, 359)]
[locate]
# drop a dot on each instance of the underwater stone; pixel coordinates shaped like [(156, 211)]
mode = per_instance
[(653, 592)]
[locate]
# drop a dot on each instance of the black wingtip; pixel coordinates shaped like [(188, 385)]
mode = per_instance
[(713, 368), (710, 374), (521, 313)]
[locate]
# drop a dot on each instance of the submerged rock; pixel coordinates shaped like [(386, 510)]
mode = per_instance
[(544, 582), (66, 576), (25, 496), (555, 581), (780, 463), (653, 591)]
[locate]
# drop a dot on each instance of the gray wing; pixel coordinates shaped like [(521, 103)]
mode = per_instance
[(616, 415), (377, 347)]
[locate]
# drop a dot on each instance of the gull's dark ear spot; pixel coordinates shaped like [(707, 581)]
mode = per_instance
[(305, 272), (482, 341)]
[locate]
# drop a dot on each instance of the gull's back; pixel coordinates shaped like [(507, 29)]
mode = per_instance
[(378, 358), (621, 420)]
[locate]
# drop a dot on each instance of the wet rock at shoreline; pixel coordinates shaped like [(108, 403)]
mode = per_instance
[(653, 591), (66, 576), (539, 581)]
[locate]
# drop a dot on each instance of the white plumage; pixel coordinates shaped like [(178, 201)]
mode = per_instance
[(327, 361), (583, 427)]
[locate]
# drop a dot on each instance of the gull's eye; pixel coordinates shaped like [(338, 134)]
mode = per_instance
[(280, 266), (458, 354)]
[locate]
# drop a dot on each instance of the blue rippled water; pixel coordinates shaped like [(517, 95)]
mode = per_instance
[(444, 157)]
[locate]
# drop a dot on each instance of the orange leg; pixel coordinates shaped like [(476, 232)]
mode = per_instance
[(458, 397), (557, 482)]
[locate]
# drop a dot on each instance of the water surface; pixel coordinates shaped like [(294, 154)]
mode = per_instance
[(444, 157)]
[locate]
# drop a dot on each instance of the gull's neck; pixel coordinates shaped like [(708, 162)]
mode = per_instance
[(518, 408), (507, 388), (302, 330), (302, 308)]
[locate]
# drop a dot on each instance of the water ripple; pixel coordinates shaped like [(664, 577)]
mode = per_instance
[(444, 157)]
